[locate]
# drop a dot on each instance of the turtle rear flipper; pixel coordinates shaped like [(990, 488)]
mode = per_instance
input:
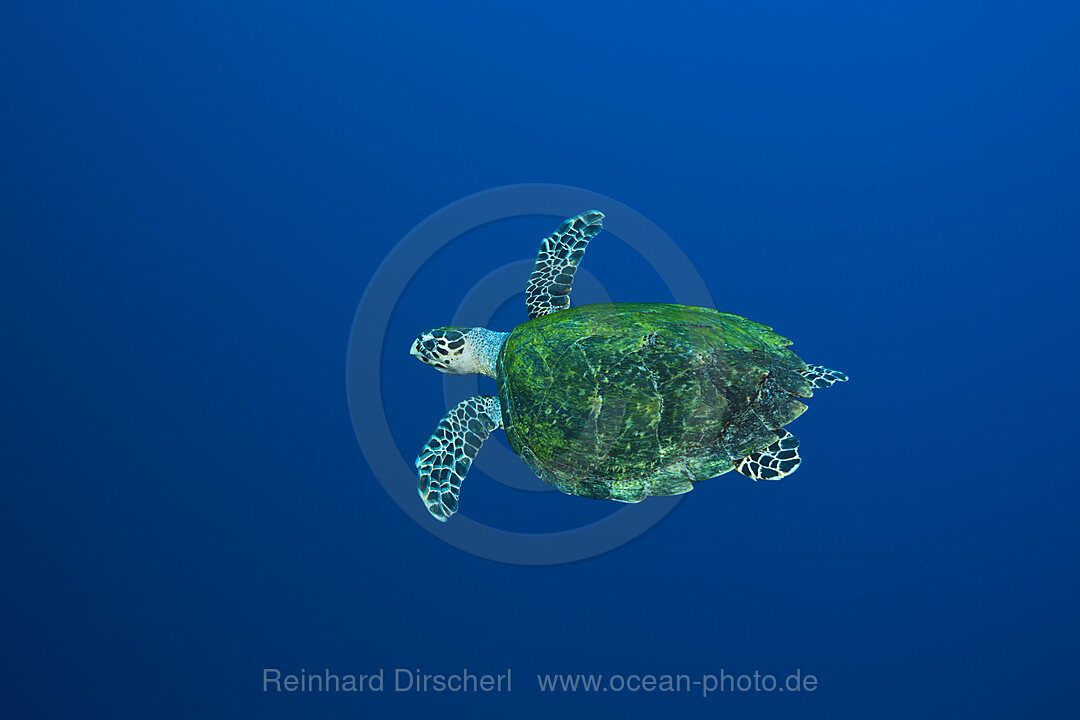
[(822, 377), (774, 462), (445, 459)]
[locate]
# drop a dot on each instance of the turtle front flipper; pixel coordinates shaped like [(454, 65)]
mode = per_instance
[(445, 460), (549, 285), (774, 462)]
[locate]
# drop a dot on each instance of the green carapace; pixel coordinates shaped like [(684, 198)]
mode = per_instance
[(617, 401)]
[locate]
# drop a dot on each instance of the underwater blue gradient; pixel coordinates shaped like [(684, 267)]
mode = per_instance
[(195, 195)]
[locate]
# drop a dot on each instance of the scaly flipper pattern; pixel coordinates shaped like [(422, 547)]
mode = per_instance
[(774, 462), (823, 377), (549, 286), (446, 458)]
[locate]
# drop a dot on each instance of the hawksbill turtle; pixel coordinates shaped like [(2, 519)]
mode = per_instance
[(617, 401)]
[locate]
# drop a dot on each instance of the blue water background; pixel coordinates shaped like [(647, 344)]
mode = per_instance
[(194, 196)]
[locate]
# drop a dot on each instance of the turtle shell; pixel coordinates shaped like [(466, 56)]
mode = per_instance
[(621, 401)]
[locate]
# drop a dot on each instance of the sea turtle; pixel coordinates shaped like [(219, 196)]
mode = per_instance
[(617, 401)]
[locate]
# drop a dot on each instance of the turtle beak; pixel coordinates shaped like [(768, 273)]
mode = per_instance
[(415, 349)]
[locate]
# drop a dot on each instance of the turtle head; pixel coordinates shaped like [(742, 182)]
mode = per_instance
[(459, 350)]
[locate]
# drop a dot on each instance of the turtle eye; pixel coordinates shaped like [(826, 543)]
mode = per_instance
[(446, 352), (426, 349)]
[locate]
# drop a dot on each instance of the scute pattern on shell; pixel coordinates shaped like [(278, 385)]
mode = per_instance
[(623, 401)]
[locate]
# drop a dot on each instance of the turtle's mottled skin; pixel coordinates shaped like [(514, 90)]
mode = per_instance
[(618, 401), (628, 400)]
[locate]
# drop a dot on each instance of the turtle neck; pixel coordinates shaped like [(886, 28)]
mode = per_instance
[(484, 345)]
